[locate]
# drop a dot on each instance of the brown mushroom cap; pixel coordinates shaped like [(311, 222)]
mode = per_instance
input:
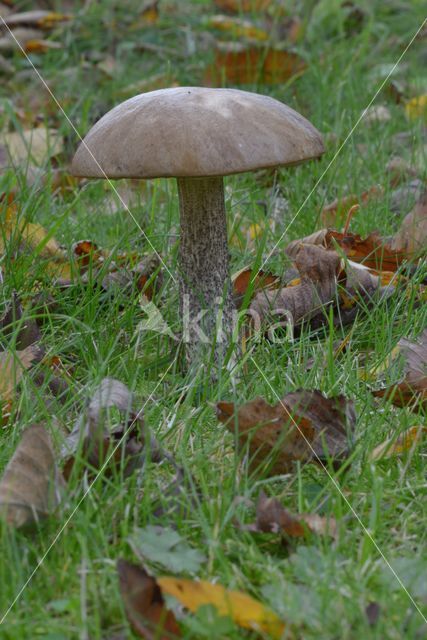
[(195, 132)]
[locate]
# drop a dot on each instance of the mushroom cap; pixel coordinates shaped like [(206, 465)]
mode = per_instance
[(195, 132)]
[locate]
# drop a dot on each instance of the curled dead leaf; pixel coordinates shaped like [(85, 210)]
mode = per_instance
[(125, 442), (319, 270)]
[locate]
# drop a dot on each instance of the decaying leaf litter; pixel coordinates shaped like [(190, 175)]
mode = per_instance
[(344, 276)]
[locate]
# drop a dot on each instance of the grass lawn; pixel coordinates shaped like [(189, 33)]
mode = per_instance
[(319, 587)]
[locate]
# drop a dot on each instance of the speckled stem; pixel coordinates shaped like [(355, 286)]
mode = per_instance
[(205, 284)]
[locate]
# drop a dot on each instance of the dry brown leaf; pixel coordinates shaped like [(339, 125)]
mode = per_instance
[(304, 425), (241, 608), (319, 270), (395, 447), (97, 442), (412, 390), (411, 238), (257, 280), (30, 486), (144, 604), (27, 332), (272, 517), (409, 243), (253, 65)]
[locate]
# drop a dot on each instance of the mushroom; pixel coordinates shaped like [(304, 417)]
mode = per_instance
[(198, 135)]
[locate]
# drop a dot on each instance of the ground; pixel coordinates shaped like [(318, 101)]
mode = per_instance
[(318, 586)]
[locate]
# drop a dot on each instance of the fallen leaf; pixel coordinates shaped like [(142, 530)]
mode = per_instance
[(39, 45), (404, 197), (87, 254), (412, 390), (318, 270), (38, 18), (409, 243), (272, 517), (36, 144), (252, 65), (98, 445), (304, 425), (416, 108), (241, 608), (32, 237), (411, 238), (144, 604), (95, 441), (237, 28), (25, 333), (236, 6), (12, 368), (148, 15), (256, 280), (167, 548), (29, 488), (396, 446), (20, 37)]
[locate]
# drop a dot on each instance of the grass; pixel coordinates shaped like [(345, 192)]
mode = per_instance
[(321, 586)]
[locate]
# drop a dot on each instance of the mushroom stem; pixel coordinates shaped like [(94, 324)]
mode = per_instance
[(206, 300)]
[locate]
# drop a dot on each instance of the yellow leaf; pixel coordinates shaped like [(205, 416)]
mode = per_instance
[(149, 15), (417, 108), (37, 239), (12, 367), (237, 28), (244, 610), (404, 442), (37, 144)]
